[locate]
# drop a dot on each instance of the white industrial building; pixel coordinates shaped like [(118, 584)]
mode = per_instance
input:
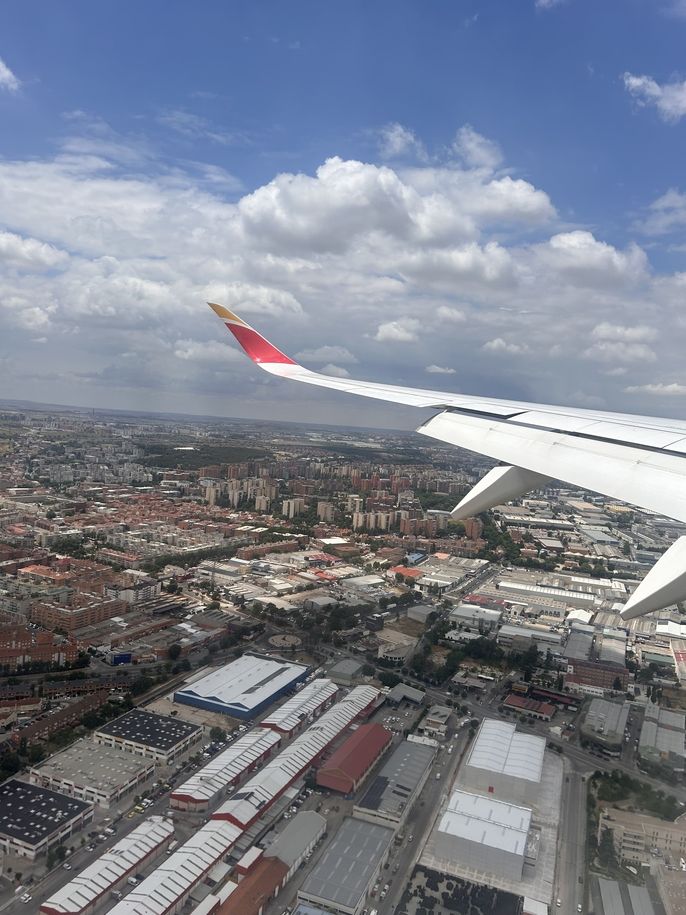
[(93, 772), (482, 618), (166, 890), (298, 711), (92, 887), (259, 792), (484, 834), (504, 763), (207, 786), (243, 688)]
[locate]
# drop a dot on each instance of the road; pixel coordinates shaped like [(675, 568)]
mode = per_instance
[(570, 867)]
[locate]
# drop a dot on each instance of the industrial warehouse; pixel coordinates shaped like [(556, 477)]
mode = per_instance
[(505, 764), (344, 875), (93, 886), (348, 766), (156, 737), (394, 789), (244, 688), (34, 819), (485, 834), (93, 772)]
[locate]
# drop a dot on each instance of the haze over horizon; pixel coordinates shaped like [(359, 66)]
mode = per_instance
[(476, 196)]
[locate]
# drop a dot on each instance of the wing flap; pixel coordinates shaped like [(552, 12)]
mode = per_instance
[(649, 479)]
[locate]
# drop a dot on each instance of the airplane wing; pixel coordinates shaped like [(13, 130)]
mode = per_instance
[(636, 459)]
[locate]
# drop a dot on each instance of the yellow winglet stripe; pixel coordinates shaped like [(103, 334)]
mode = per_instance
[(226, 314)]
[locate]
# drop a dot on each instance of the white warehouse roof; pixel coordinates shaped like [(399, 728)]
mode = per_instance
[(300, 706), (180, 872), (487, 822), (273, 778), (100, 876), (500, 748), (245, 683), (228, 766)]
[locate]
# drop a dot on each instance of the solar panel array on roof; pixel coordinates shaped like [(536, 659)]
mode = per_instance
[(395, 784), (157, 731), (29, 813)]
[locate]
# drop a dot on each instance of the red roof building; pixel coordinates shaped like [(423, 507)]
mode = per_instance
[(531, 707), (257, 889), (352, 761)]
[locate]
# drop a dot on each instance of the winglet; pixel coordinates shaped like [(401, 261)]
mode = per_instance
[(255, 345)]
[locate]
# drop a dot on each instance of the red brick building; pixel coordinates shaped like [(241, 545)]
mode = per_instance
[(353, 760)]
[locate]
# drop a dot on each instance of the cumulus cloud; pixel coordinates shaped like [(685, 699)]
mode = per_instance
[(476, 150), (29, 253), (619, 351), (112, 254), (336, 370), (640, 333), (672, 389), (403, 330), (397, 142), (326, 354), (439, 370), (498, 345), (583, 259), (669, 98), (8, 81)]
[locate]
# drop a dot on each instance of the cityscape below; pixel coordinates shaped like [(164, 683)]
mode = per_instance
[(258, 668)]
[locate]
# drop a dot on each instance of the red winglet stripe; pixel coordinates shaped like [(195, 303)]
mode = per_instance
[(259, 349)]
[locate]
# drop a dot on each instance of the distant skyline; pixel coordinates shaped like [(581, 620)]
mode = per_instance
[(485, 197)]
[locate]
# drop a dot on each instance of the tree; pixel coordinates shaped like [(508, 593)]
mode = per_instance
[(617, 685), (388, 678), (606, 851), (174, 651), (217, 734)]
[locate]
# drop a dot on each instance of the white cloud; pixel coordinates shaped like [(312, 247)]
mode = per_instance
[(579, 257), (547, 4), (326, 354), (673, 389), (8, 80), (666, 213), (336, 370), (450, 315), (498, 345), (403, 330), (193, 126), (640, 333), (397, 142), (205, 352), (439, 370), (476, 150), (619, 351), (669, 98), (28, 253)]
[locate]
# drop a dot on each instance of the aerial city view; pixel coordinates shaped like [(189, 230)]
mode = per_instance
[(342, 457)]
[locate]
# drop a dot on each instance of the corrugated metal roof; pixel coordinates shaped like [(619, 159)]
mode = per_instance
[(246, 803), (300, 706), (488, 822), (179, 873), (358, 752), (109, 868), (499, 748), (244, 683), (228, 766)]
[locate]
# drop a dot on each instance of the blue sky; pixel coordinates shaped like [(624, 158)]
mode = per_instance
[(502, 211)]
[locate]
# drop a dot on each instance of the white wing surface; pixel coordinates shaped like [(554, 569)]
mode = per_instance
[(636, 459)]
